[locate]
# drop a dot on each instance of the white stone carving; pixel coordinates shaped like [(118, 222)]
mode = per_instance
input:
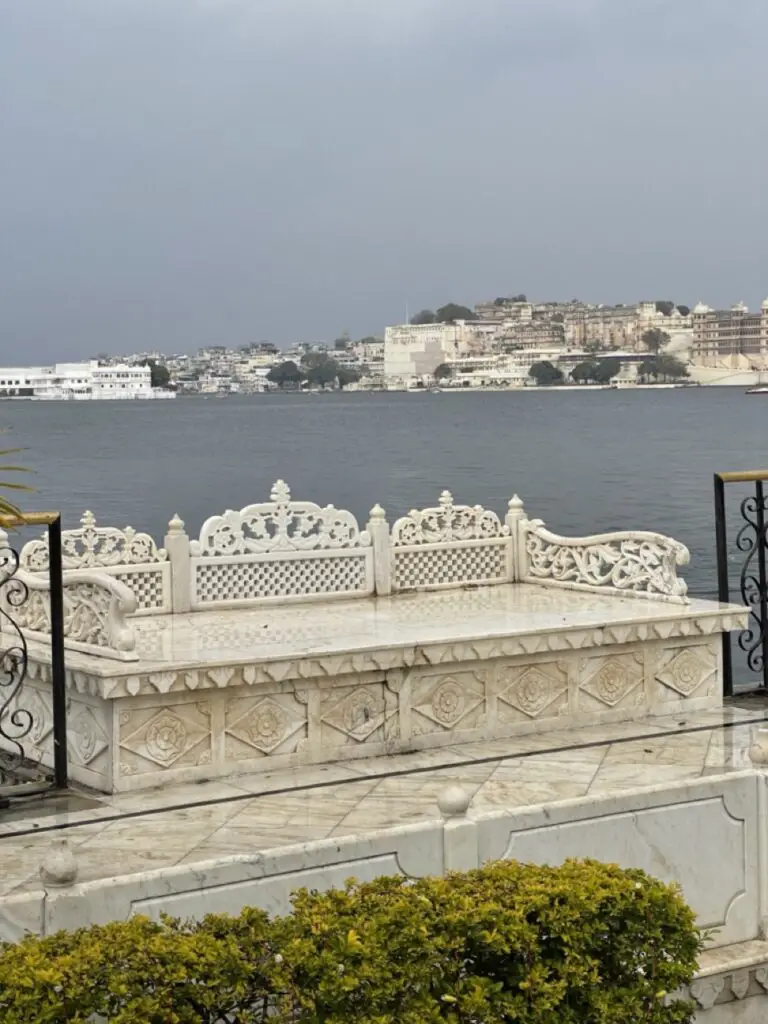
[(93, 547), (450, 546), (96, 607), (447, 522), (706, 990), (280, 525), (626, 562)]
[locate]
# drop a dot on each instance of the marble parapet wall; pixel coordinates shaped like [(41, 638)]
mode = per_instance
[(285, 550)]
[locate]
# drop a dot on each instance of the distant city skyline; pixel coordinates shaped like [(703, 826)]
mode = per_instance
[(182, 173)]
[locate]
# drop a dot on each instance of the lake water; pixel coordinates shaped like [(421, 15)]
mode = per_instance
[(584, 462)]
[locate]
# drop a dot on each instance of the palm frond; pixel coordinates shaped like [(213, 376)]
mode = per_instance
[(7, 507)]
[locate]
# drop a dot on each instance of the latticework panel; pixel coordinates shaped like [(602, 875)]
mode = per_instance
[(151, 585), (218, 580), (417, 568)]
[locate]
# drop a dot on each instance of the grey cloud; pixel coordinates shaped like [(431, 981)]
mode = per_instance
[(180, 172)]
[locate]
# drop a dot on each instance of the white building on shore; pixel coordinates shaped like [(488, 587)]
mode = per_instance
[(79, 381)]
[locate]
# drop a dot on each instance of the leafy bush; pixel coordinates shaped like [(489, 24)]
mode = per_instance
[(585, 943)]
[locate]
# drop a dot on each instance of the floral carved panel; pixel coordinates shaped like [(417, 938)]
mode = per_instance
[(690, 671), (631, 562), (532, 692), (357, 715), (443, 702), (280, 525), (93, 546), (263, 726), (156, 739), (612, 682)]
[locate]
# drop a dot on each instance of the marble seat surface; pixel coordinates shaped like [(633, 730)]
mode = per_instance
[(324, 629), (195, 823)]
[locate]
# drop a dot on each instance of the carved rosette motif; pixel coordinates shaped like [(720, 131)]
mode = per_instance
[(447, 522), (263, 726), (611, 681), (448, 702), (93, 547), (534, 689), (280, 525), (688, 670), (164, 738), (360, 713), (630, 562)]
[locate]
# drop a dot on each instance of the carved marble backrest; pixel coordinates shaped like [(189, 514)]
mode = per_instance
[(96, 608), (451, 546), (128, 556), (625, 563), (279, 551)]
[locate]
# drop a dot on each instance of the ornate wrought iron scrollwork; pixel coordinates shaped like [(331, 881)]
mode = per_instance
[(16, 722), (751, 539)]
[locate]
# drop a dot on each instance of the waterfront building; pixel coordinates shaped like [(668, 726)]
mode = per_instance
[(732, 338), (79, 381), (416, 350)]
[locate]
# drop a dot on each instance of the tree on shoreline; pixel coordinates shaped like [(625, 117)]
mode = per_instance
[(663, 367), (545, 374), (655, 339), (286, 373), (443, 372), (160, 375)]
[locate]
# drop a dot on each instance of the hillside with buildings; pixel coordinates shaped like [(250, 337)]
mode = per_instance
[(496, 344)]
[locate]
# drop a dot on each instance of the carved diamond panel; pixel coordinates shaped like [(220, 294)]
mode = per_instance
[(445, 702), (87, 737), (687, 671), (357, 714), (28, 718), (611, 682), (153, 739), (260, 726), (533, 691)]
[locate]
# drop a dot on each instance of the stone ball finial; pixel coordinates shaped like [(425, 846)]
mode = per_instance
[(454, 802), (758, 751), (377, 513), (59, 867)]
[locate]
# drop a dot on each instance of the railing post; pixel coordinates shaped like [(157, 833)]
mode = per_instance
[(723, 588), (378, 528), (763, 582), (58, 668), (177, 546), (514, 518)]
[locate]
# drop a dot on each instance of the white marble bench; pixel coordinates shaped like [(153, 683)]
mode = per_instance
[(286, 635)]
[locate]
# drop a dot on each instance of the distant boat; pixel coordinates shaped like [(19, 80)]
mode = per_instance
[(761, 389)]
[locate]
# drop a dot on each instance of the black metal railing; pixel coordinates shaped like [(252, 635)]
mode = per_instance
[(20, 715), (752, 544)]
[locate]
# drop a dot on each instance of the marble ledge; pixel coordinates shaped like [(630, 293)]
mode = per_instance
[(274, 646)]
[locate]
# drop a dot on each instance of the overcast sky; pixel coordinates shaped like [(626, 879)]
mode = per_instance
[(175, 173)]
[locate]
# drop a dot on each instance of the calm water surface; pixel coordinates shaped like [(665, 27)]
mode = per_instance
[(582, 461)]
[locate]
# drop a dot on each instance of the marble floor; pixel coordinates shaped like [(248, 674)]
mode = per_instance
[(128, 833)]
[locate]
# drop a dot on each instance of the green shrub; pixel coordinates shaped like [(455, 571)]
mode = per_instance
[(585, 943)]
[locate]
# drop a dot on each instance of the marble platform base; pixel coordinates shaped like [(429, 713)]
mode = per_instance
[(732, 985), (222, 693)]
